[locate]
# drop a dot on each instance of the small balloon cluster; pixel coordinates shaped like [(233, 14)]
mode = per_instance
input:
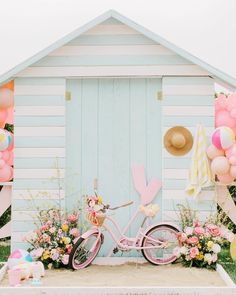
[(225, 111), (222, 152), (6, 137)]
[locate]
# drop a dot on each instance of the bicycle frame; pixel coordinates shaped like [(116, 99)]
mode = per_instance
[(135, 242)]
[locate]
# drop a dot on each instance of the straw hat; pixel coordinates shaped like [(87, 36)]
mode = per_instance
[(178, 141)]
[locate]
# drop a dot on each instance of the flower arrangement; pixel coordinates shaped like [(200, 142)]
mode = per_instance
[(95, 210), (200, 244), (52, 242)]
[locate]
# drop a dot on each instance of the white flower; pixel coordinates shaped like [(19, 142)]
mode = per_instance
[(216, 248), (214, 257), (176, 252), (229, 236), (189, 230), (208, 258), (183, 250)]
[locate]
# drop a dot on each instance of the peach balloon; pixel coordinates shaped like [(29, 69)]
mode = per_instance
[(3, 115), (220, 165), (5, 173), (232, 160), (5, 155), (227, 178), (6, 98), (231, 151), (11, 159), (2, 163), (232, 171), (213, 152), (224, 119)]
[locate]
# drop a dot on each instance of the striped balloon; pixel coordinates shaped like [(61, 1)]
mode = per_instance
[(223, 138)]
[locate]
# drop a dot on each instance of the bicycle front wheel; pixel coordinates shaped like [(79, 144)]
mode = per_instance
[(85, 251), (157, 235)]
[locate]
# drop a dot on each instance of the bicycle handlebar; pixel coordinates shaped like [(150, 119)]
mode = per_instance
[(121, 206)]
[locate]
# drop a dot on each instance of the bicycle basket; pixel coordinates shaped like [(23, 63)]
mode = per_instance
[(96, 218)]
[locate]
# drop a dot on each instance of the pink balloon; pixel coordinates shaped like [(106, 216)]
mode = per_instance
[(6, 98), (11, 145), (233, 113), (3, 115), (220, 165), (6, 173), (5, 155), (1, 154), (11, 159), (216, 139), (223, 118), (232, 160), (231, 102), (231, 151), (2, 163), (227, 178), (232, 171), (220, 102), (213, 152), (10, 113)]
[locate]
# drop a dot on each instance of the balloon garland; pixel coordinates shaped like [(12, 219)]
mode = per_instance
[(222, 151), (6, 137)]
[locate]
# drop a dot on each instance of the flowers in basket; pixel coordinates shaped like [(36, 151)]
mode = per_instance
[(200, 244), (94, 212), (52, 241)]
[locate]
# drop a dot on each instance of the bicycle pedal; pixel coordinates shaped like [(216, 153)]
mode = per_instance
[(115, 250)]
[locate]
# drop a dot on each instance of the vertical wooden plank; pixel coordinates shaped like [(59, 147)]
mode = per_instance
[(154, 137), (138, 148), (121, 156), (74, 144), (89, 139), (105, 148)]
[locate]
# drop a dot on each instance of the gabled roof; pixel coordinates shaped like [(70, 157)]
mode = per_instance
[(218, 75)]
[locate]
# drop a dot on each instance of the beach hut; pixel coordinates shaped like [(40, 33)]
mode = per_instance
[(95, 103)]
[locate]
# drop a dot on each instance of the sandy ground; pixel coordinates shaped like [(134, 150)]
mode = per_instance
[(130, 275)]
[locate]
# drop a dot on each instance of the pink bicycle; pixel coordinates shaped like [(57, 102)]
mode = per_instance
[(156, 242)]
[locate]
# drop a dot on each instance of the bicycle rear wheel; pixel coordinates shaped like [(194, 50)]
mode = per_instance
[(85, 251), (157, 234)]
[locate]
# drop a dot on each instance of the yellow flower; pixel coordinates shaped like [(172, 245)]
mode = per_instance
[(199, 246), (99, 200), (210, 244), (66, 240), (200, 256), (65, 227), (46, 255)]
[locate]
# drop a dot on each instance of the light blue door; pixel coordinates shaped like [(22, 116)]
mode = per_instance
[(112, 123)]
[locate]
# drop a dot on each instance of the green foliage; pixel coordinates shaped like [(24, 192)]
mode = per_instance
[(229, 265), (9, 127), (6, 217), (4, 253)]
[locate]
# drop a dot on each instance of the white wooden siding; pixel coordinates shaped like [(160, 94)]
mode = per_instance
[(195, 110), (111, 50), (36, 176)]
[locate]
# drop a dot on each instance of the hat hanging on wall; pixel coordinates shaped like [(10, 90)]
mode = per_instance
[(178, 141)]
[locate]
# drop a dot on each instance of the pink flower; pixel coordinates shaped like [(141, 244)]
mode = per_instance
[(43, 227), (193, 252), (182, 237), (74, 232), (52, 230), (196, 223), (69, 248), (199, 230), (193, 240), (54, 254), (214, 230), (65, 259), (72, 218)]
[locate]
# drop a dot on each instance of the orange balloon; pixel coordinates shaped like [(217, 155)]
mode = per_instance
[(9, 85)]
